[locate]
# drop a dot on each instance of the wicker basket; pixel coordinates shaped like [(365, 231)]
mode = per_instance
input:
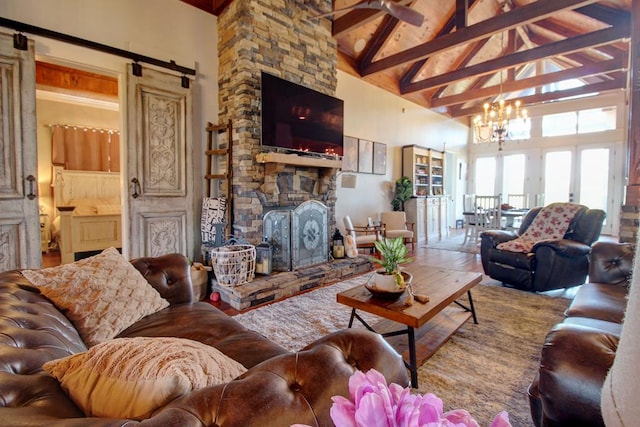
[(234, 265)]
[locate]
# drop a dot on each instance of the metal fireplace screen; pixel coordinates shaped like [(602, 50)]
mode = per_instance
[(299, 237)]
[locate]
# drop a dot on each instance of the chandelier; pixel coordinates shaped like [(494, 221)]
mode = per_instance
[(494, 124)]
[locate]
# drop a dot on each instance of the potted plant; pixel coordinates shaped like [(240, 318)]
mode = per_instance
[(392, 253), (403, 193)]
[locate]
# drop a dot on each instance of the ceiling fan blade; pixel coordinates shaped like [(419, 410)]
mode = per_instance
[(403, 13), (394, 9)]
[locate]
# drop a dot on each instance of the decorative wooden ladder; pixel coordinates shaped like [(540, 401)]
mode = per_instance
[(219, 171)]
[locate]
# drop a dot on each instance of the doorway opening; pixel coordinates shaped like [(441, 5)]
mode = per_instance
[(82, 107)]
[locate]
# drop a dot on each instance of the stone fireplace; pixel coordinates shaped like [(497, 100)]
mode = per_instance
[(276, 37)]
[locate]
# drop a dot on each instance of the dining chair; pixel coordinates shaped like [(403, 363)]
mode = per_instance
[(489, 208), (484, 214), (364, 236), (468, 211)]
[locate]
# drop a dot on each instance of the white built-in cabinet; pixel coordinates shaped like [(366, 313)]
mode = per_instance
[(427, 209)]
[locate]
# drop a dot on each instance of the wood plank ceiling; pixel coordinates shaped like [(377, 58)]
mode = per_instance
[(468, 52)]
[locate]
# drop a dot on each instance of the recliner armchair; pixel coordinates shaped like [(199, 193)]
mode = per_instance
[(550, 264)]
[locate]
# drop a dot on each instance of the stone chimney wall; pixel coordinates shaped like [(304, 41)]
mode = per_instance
[(275, 36)]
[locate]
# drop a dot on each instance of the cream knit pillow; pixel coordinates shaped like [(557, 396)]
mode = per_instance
[(132, 377), (102, 295)]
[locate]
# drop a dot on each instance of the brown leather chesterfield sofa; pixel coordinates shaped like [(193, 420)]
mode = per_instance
[(279, 388), (551, 264), (578, 352)]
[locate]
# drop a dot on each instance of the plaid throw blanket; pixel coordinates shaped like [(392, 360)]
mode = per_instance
[(551, 223)]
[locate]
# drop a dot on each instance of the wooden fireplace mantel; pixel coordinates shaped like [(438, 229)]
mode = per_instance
[(295, 159)]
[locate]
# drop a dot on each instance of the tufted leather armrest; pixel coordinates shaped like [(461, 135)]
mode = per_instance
[(611, 263), (169, 275), (294, 388), (574, 362), (495, 237)]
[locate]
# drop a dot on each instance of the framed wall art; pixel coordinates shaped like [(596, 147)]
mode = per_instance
[(379, 158), (365, 156), (350, 154)]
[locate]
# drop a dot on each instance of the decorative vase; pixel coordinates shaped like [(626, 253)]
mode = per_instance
[(387, 282)]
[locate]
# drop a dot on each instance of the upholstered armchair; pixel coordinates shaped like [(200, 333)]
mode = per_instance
[(553, 262), (394, 224)]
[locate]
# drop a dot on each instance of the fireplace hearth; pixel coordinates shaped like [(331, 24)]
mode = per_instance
[(267, 289)]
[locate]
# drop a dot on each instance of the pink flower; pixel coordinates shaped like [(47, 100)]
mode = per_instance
[(374, 404)]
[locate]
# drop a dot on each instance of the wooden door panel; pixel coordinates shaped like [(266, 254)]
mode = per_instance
[(163, 232), (12, 233), (19, 219), (163, 147), (159, 145)]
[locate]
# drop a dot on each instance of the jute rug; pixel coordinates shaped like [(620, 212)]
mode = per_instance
[(456, 243), (483, 368)]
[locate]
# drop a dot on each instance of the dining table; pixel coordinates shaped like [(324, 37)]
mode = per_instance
[(512, 216)]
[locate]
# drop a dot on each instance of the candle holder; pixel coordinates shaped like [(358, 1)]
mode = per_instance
[(264, 256)]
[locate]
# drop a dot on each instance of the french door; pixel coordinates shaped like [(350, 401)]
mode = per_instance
[(585, 175)]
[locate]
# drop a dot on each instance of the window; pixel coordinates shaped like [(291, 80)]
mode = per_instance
[(514, 172), (559, 124), (596, 120), (583, 121), (485, 176)]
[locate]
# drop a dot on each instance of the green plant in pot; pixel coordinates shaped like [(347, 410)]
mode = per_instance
[(403, 192), (393, 253)]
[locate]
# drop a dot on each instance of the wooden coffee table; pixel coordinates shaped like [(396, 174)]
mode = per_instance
[(444, 313)]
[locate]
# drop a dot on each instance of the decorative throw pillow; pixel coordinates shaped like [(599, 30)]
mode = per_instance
[(102, 295), (132, 377)]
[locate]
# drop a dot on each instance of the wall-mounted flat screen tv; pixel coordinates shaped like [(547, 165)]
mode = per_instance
[(300, 119)]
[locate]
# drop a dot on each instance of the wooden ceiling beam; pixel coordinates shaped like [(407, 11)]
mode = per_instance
[(379, 39), (551, 96), (462, 8), (554, 27), (593, 39), (466, 58), (214, 7), (531, 82), (377, 42), (517, 17), (451, 23), (583, 57), (605, 14), (74, 80)]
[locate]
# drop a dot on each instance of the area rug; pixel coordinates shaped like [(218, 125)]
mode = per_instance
[(456, 243), (483, 368)]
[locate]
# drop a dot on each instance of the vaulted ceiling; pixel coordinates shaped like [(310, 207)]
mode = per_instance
[(468, 52)]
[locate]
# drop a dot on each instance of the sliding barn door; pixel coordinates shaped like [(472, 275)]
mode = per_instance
[(159, 141), (19, 219)]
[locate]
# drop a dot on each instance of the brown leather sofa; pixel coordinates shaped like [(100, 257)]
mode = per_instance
[(578, 352), (279, 389), (551, 264)]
